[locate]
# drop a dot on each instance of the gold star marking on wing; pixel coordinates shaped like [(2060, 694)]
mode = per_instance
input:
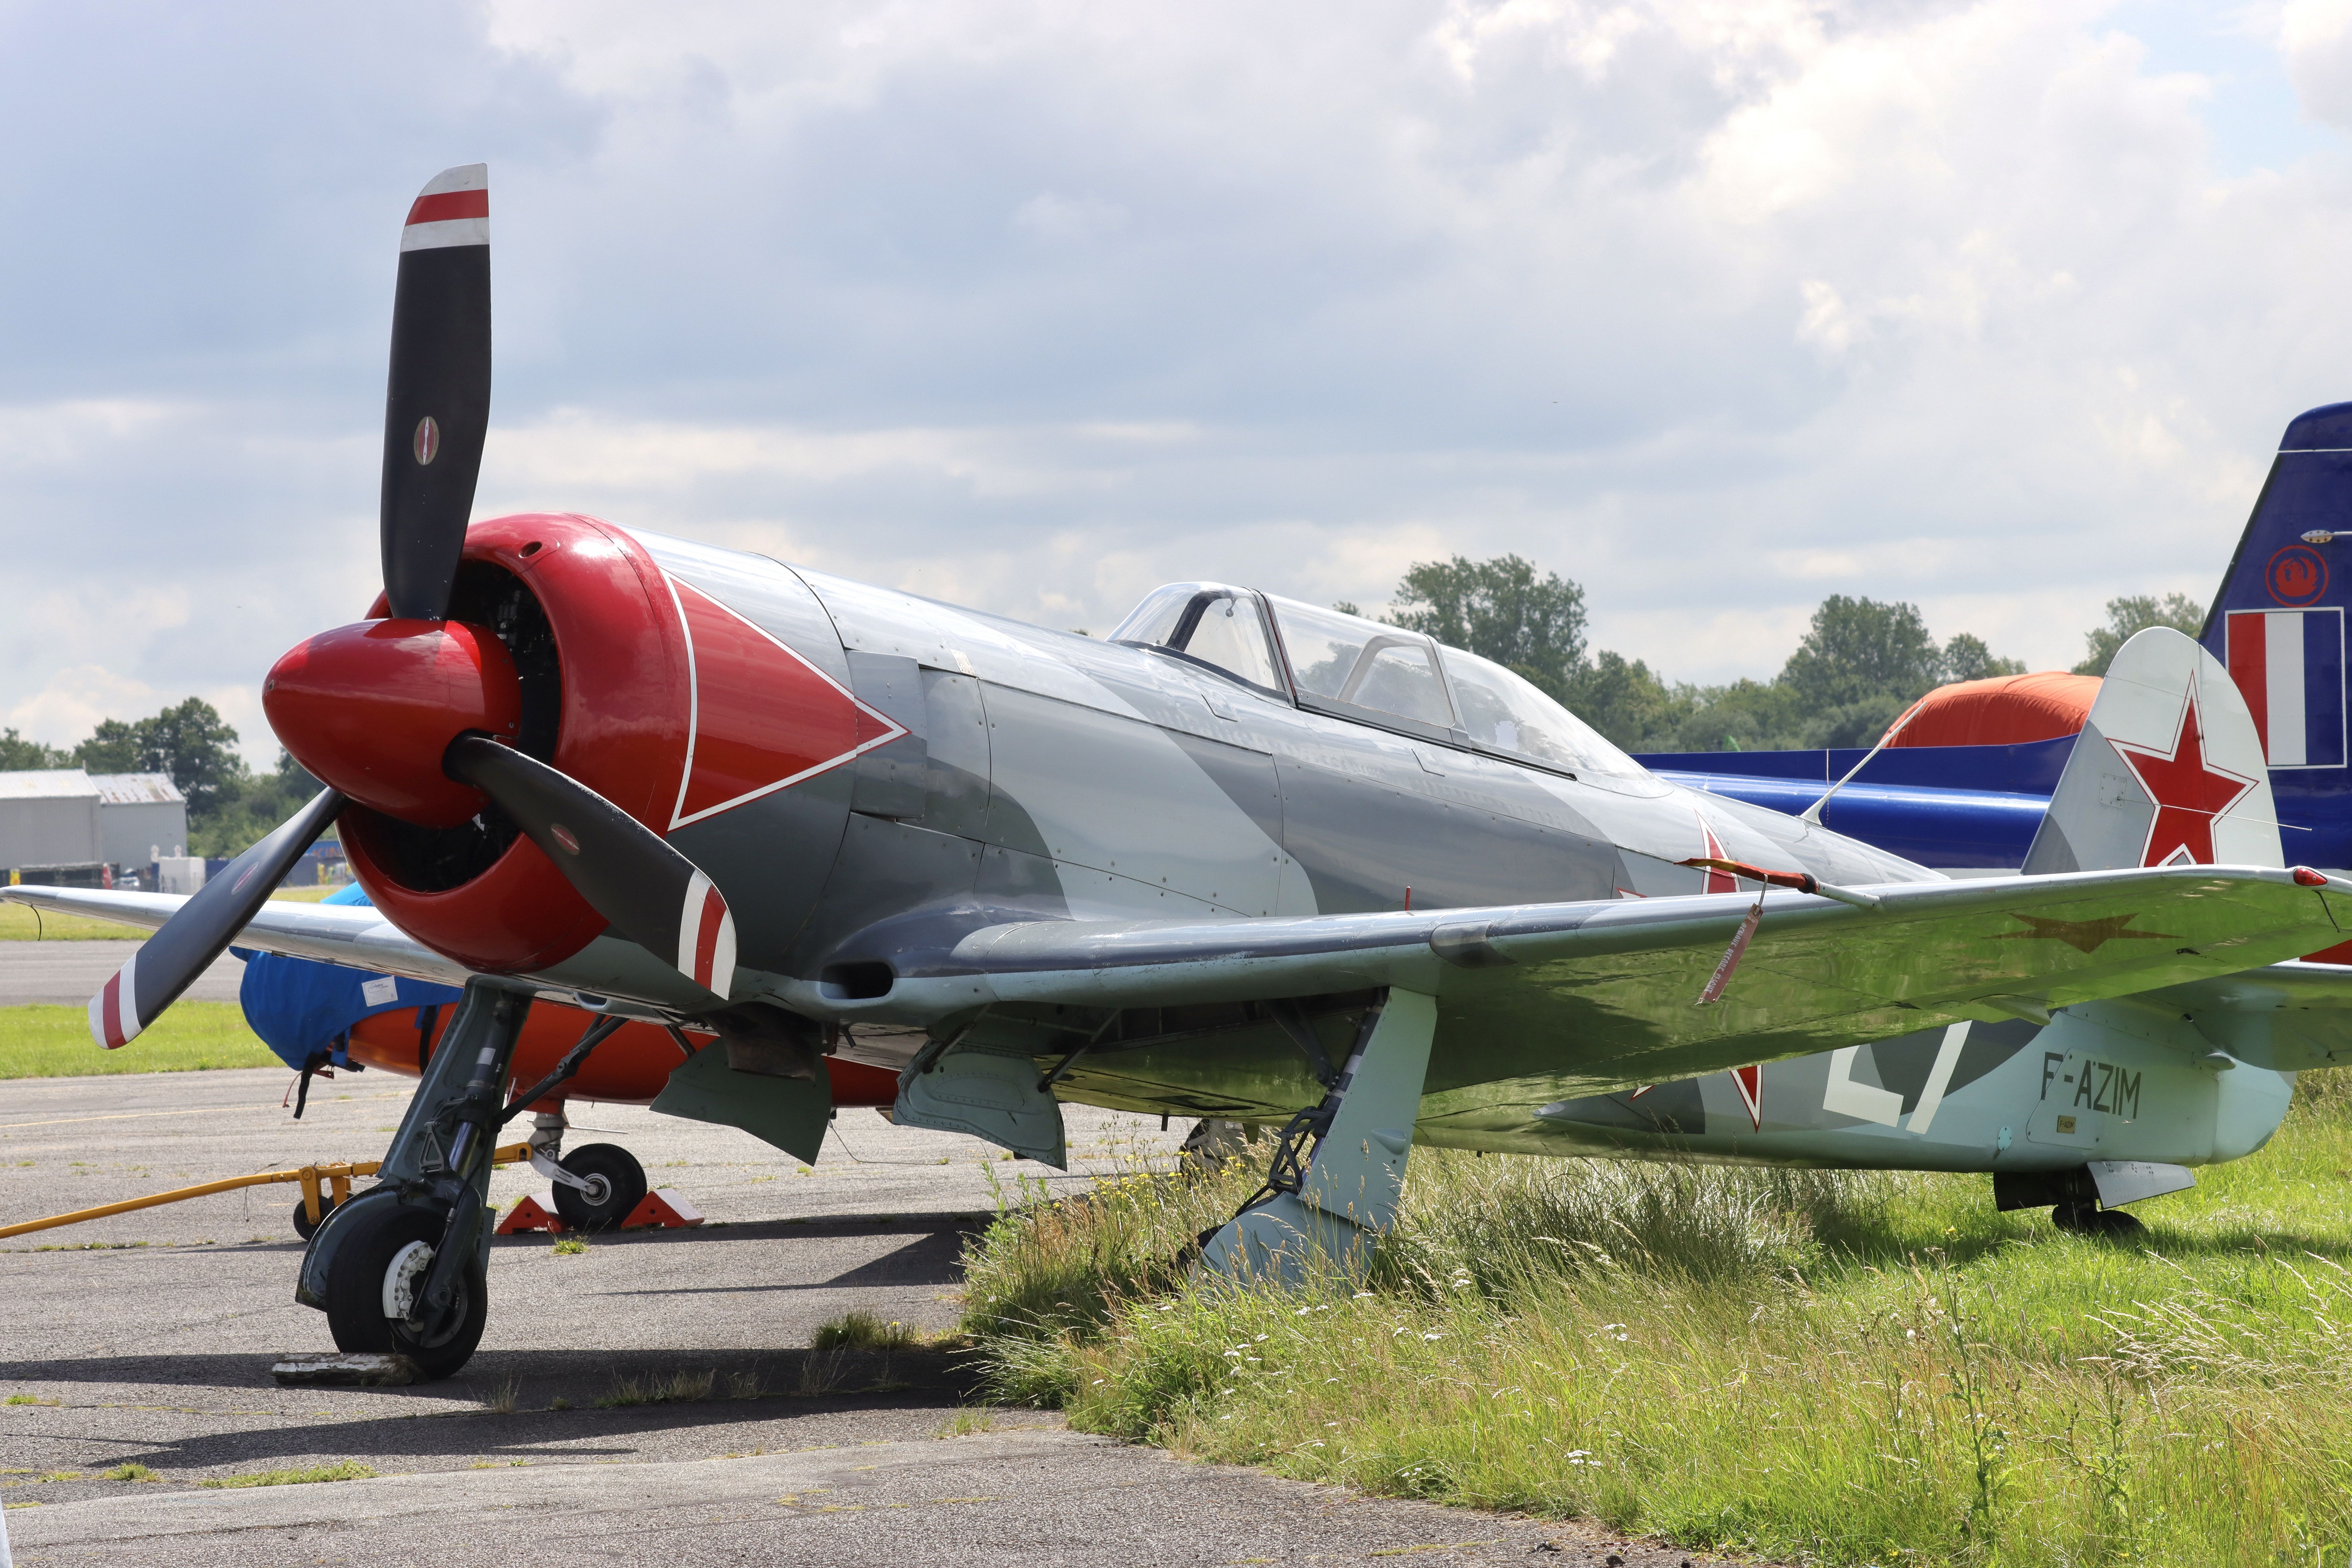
[(2087, 936)]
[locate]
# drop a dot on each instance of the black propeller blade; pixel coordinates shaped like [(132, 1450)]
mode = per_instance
[(438, 404), (436, 412), (169, 961), (436, 415), (653, 895)]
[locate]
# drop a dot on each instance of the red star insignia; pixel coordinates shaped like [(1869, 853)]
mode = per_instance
[(2189, 792)]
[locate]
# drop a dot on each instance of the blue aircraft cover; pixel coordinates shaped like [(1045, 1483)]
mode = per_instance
[(1945, 829), (300, 1006)]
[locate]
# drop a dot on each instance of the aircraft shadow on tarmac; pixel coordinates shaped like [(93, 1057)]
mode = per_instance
[(849, 1383), (934, 1259)]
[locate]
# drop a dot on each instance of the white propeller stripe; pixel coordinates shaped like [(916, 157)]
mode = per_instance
[(689, 922), (722, 955)]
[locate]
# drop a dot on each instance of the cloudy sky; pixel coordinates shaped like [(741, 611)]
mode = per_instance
[(1715, 307)]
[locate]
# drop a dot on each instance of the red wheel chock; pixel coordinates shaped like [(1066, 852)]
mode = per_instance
[(531, 1214), (666, 1208)]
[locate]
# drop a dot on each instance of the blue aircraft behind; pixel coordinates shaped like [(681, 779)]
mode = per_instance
[(2277, 624)]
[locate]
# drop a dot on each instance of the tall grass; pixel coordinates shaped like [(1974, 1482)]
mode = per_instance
[(1847, 1367)]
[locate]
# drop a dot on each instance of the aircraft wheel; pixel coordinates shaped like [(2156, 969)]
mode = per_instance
[(302, 1226), (373, 1288), (2089, 1219), (616, 1185)]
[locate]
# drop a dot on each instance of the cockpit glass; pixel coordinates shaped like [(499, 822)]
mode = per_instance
[(1504, 712), (1401, 678), (1349, 659), (1154, 622), (1208, 623), (1324, 645)]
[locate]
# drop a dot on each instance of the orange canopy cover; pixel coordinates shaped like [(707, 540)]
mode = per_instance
[(2006, 711)]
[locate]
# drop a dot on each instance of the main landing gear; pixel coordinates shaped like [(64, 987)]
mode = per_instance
[(404, 1266), (1328, 1208)]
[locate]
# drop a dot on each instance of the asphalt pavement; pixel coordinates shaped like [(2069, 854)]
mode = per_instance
[(650, 1400), (71, 972)]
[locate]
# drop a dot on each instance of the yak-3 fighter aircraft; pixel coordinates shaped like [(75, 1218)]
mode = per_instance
[(1247, 858)]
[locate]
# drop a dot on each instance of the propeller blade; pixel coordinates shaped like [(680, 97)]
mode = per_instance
[(185, 945), (653, 895), (437, 403)]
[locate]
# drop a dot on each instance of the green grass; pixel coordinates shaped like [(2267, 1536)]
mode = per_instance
[(349, 1471), (22, 922), (862, 1330), (54, 1042), (678, 1388), (1844, 1368)]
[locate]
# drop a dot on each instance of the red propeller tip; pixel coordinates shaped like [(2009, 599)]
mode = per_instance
[(114, 1011), (706, 937)]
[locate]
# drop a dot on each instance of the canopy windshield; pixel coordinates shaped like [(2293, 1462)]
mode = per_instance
[(1207, 623), (1503, 712), (1372, 664), (1365, 664)]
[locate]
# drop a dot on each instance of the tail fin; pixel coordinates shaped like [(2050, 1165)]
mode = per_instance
[(2278, 621), (2168, 770)]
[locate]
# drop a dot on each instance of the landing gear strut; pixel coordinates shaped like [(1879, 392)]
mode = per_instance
[(404, 1266), (1331, 1206)]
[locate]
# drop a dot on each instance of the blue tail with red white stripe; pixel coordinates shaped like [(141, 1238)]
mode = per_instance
[(2278, 625)]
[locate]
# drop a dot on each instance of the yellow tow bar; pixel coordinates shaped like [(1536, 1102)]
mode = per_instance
[(336, 1177)]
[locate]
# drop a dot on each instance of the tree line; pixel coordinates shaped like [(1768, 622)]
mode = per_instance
[(1859, 663)]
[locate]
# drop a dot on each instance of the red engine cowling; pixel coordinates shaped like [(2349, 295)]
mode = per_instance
[(588, 623)]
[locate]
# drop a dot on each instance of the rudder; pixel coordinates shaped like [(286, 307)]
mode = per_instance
[(2168, 770)]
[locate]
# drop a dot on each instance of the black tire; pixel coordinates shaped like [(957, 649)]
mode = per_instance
[(619, 1183), (2089, 1219), (378, 1243), (302, 1226)]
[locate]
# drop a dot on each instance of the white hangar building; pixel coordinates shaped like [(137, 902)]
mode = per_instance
[(64, 817)]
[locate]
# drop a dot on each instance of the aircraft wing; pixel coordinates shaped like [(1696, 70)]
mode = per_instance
[(351, 934), (2288, 1017), (1593, 997)]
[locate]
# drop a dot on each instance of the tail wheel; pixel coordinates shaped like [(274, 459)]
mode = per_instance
[(2089, 1219), (375, 1288), (304, 1226), (617, 1186)]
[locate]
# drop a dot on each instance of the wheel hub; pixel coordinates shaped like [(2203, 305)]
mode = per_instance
[(404, 1277)]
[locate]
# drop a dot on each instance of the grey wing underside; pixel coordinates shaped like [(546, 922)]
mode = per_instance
[(1608, 991)]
